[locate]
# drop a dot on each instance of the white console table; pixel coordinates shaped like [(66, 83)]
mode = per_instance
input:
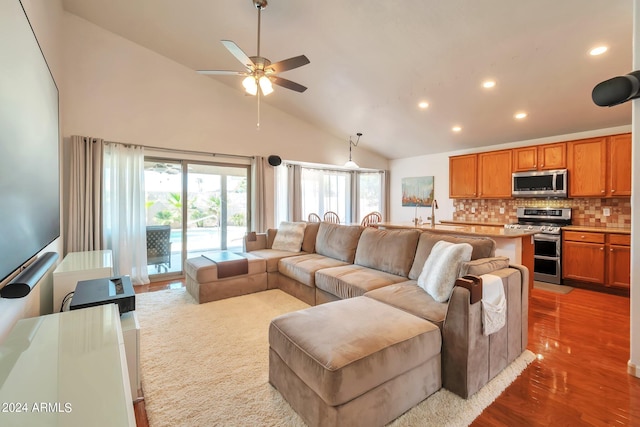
[(66, 369), (78, 266)]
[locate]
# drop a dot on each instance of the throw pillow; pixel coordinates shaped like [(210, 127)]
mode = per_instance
[(442, 268), (289, 236)]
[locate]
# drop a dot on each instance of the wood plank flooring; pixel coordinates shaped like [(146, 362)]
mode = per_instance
[(581, 340)]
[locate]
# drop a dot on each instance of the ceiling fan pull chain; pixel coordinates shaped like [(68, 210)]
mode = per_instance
[(258, 126)]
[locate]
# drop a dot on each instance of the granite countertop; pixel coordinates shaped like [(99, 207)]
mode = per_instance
[(478, 230), (597, 229), (484, 224)]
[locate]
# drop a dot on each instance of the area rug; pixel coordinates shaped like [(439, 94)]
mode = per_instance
[(207, 365), (558, 289)]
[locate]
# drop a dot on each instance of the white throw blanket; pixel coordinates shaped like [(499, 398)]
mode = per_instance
[(494, 304)]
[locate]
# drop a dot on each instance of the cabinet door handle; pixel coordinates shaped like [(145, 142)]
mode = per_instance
[(613, 191), (602, 249), (602, 191), (542, 165), (611, 250), (582, 237)]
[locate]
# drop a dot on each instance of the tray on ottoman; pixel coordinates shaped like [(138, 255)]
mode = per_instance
[(353, 362)]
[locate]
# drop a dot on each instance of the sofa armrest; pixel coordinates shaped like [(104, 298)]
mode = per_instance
[(474, 285), (254, 241), (470, 359)]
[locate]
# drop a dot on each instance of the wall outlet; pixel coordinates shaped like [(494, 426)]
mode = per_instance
[(606, 211), (473, 209), (501, 210)]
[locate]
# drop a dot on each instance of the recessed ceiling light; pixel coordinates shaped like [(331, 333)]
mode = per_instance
[(598, 50), (488, 84), (520, 116), (423, 104), (456, 128)]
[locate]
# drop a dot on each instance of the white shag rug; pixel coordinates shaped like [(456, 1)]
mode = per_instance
[(208, 365)]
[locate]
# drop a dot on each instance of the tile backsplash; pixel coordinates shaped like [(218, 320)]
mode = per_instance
[(587, 212)]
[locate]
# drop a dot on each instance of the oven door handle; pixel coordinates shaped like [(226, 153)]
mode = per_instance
[(546, 238), (554, 182)]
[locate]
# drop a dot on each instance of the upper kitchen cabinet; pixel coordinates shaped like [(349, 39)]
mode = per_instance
[(463, 175), (540, 157), (600, 167), (587, 164), (619, 165), (494, 174)]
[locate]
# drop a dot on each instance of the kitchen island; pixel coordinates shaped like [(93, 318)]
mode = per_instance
[(517, 245)]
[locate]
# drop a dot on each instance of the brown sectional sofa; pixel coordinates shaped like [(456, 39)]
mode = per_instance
[(357, 266)]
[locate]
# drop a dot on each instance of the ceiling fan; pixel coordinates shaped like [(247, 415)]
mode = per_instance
[(260, 72)]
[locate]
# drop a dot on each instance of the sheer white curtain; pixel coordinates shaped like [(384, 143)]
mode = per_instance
[(124, 220), (84, 222)]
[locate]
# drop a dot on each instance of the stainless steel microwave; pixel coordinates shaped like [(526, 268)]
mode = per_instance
[(551, 183)]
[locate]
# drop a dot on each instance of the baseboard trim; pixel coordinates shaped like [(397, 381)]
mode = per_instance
[(632, 369)]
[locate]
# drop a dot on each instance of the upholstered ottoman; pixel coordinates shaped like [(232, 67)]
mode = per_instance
[(353, 362), (205, 283)]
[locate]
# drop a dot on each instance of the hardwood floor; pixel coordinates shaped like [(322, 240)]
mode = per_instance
[(581, 340)]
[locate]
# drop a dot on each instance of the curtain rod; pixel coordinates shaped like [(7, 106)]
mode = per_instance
[(173, 150)]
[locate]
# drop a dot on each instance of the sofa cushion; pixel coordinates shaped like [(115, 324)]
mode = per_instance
[(442, 268), (351, 281), (478, 267), (344, 349), (272, 256), (410, 297), (303, 268), (203, 270), (310, 234), (392, 251), (483, 247), (338, 241), (289, 237)]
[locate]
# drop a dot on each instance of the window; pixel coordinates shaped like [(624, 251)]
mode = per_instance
[(200, 207), (302, 190)]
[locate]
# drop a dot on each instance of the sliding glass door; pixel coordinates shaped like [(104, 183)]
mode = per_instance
[(193, 208)]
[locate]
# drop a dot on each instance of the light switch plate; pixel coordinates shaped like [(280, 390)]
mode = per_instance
[(606, 211)]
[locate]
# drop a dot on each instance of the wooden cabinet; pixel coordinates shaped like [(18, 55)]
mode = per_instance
[(619, 165), (619, 261), (587, 164), (540, 157), (600, 167), (598, 258), (494, 174), (583, 256), (463, 175)]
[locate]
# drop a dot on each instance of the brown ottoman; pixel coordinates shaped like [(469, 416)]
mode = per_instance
[(204, 285), (353, 362)]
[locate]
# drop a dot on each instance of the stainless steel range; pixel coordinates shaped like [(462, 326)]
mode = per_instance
[(547, 264)]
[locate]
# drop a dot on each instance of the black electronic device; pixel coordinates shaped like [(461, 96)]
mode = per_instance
[(617, 90), (109, 290)]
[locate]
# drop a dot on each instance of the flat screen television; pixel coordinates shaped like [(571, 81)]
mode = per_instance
[(29, 143)]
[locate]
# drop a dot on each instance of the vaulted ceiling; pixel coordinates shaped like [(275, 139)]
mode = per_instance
[(372, 62)]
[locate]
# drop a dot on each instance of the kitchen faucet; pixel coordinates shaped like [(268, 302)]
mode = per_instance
[(434, 206)]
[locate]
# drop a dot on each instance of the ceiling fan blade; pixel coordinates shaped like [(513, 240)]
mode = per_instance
[(287, 84), (221, 72), (289, 64), (238, 53)]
